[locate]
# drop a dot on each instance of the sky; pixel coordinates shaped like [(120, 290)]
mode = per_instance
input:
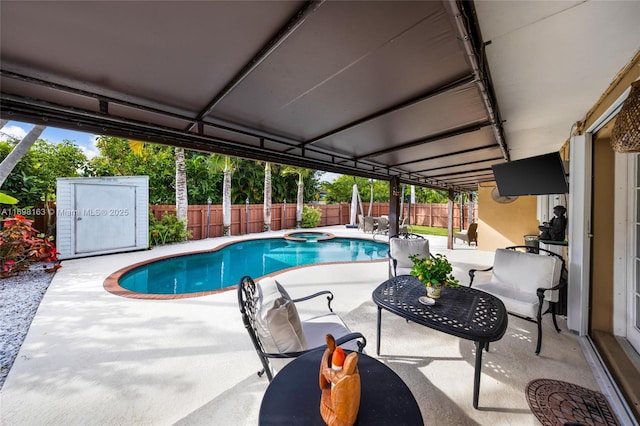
[(86, 141)]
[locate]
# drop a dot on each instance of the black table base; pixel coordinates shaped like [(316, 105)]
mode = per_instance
[(462, 312)]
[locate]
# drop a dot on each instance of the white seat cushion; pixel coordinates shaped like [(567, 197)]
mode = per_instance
[(316, 329), (462, 235), (527, 272), (515, 278), (400, 249), (517, 302)]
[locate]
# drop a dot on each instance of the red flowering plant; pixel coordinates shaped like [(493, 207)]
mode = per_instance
[(21, 245)]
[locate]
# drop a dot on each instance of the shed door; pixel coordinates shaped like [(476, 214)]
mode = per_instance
[(105, 217)]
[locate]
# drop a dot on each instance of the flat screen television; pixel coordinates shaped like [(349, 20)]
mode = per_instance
[(539, 175)]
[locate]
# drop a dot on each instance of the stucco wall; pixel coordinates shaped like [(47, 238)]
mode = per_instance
[(502, 225)]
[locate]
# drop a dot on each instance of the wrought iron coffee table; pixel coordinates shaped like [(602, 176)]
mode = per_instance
[(462, 312)]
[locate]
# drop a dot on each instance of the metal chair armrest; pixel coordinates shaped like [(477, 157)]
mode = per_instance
[(472, 273), (285, 354), (409, 235), (320, 293), (352, 336), (394, 261), (540, 291)]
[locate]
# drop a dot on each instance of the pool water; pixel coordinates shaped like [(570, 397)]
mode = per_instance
[(223, 268)]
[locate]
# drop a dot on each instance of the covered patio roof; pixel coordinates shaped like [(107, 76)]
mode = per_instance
[(375, 89)]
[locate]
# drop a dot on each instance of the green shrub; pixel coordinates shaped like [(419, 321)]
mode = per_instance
[(310, 217), (167, 230)]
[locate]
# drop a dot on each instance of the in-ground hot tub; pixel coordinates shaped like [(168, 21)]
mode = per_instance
[(309, 236)]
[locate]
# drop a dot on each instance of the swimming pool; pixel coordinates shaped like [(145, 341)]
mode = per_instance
[(215, 270)]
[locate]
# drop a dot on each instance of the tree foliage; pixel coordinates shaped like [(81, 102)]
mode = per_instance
[(156, 161), (19, 150), (341, 189), (302, 173), (432, 196), (204, 179), (34, 177)]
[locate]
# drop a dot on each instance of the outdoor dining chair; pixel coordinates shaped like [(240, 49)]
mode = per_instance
[(403, 246), (277, 332)]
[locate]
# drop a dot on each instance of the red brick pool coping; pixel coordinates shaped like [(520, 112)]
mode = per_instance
[(111, 283)]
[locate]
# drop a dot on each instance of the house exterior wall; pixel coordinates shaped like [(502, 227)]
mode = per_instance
[(503, 225)]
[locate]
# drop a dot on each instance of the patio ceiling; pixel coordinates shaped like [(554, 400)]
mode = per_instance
[(375, 89)]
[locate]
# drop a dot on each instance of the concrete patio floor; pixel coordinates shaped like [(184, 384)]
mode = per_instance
[(91, 357)]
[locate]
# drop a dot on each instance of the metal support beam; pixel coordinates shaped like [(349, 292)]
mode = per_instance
[(448, 154), (469, 35), (468, 163), (419, 142), (450, 220), (486, 169), (284, 33), (410, 102), (30, 110), (394, 205)]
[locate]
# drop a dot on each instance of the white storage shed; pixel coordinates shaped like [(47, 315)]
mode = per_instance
[(101, 215)]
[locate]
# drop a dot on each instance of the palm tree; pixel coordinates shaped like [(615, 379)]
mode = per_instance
[(267, 197), (371, 197), (182, 200), (226, 165), (302, 173)]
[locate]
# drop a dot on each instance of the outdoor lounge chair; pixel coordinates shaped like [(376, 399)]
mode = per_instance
[(401, 247), (369, 224), (528, 284), (277, 333), (383, 226), (470, 235)]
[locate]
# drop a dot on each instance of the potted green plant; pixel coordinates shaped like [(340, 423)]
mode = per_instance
[(434, 272)]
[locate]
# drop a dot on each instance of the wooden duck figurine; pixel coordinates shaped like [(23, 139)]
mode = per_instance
[(340, 387)]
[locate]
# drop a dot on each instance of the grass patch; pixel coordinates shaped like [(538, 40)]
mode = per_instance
[(428, 230)]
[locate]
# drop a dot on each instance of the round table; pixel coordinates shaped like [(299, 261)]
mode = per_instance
[(293, 397)]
